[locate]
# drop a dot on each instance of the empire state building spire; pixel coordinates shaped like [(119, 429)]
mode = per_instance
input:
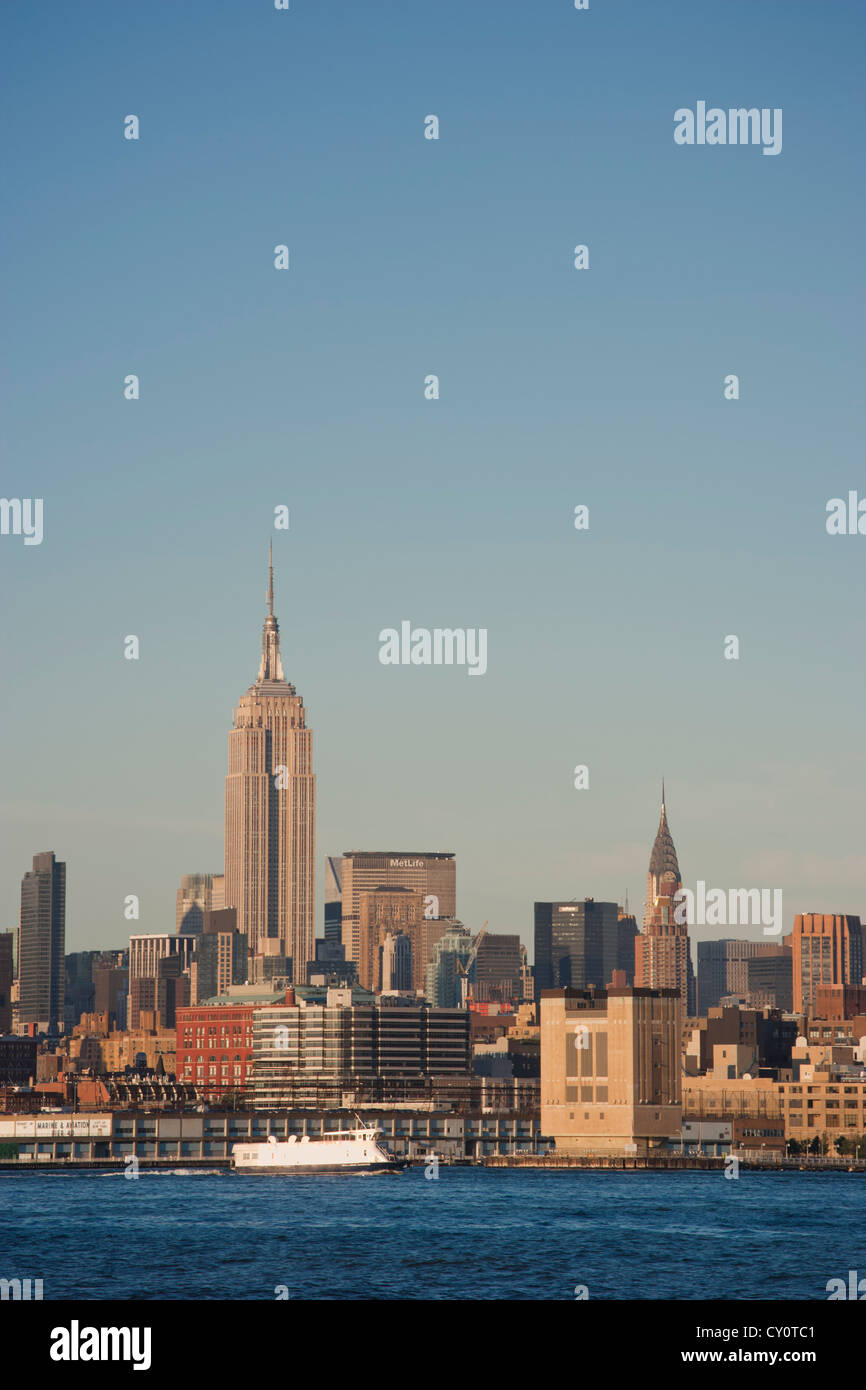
[(271, 667)]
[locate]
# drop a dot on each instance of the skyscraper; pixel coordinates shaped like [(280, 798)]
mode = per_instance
[(41, 965), (662, 955), (578, 944), (6, 978), (827, 950), (432, 875), (271, 812)]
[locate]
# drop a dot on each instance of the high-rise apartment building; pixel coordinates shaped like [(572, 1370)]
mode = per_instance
[(220, 958), (271, 812), (662, 955), (42, 936), (578, 944), (828, 950), (434, 876)]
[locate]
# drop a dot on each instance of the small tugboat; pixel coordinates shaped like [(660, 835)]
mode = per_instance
[(342, 1151)]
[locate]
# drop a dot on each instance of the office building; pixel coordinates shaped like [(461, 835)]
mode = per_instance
[(496, 971), (270, 839), (581, 944), (770, 980), (662, 954), (328, 1044), (432, 876)]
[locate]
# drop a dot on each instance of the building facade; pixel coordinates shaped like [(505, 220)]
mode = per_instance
[(339, 1046), (215, 1047), (610, 1069)]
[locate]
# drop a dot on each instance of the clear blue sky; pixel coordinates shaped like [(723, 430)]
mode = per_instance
[(558, 387)]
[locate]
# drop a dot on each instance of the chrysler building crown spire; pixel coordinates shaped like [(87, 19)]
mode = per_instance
[(271, 667), (663, 859)]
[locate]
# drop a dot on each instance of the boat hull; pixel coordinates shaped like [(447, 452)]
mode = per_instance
[(345, 1152), (297, 1170)]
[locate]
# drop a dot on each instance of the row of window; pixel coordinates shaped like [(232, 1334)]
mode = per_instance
[(828, 1104), (831, 1122), (829, 1090), (211, 1071)]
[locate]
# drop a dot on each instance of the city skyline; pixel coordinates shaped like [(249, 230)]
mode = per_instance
[(270, 686), (558, 388)]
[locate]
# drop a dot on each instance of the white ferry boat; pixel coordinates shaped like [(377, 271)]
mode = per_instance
[(348, 1150)]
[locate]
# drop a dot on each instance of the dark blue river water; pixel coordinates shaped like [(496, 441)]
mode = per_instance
[(469, 1234)]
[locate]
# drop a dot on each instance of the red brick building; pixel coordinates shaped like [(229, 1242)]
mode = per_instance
[(215, 1046)]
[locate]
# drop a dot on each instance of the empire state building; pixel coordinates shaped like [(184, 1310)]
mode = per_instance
[(271, 812)]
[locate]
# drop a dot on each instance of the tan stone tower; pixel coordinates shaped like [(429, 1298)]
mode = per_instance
[(271, 812)]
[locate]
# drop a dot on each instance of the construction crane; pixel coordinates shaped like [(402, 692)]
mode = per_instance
[(463, 967)]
